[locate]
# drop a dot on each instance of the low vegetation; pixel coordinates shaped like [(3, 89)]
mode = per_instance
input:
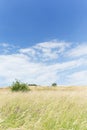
[(18, 86), (57, 109), (32, 84), (54, 84)]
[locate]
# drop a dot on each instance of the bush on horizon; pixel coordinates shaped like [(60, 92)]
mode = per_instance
[(54, 84), (19, 86)]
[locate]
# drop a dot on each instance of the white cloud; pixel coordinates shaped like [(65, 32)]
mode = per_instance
[(19, 66), (27, 64), (78, 78), (79, 50)]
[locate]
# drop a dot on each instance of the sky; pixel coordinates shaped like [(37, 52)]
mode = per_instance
[(43, 42)]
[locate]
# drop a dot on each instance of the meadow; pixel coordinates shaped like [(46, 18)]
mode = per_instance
[(55, 108)]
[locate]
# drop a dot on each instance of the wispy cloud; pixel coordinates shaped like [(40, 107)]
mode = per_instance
[(78, 51), (6, 48), (47, 50), (4, 44), (44, 63), (79, 78)]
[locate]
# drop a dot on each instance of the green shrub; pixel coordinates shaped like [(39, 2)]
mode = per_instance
[(54, 84), (18, 86)]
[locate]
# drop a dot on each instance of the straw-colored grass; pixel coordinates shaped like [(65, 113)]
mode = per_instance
[(53, 109)]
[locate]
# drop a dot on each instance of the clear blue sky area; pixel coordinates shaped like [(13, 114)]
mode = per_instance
[(33, 21)]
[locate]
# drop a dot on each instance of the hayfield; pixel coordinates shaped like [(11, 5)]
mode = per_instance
[(57, 108)]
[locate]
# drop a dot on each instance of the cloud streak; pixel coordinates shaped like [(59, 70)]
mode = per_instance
[(80, 50)]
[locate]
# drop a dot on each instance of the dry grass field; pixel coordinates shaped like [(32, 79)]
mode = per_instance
[(55, 108)]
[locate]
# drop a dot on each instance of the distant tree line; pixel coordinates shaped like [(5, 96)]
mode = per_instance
[(32, 85)]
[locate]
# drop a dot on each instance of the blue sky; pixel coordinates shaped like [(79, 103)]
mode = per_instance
[(43, 41)]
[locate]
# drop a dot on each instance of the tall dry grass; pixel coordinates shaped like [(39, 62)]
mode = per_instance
[(53, 109)]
